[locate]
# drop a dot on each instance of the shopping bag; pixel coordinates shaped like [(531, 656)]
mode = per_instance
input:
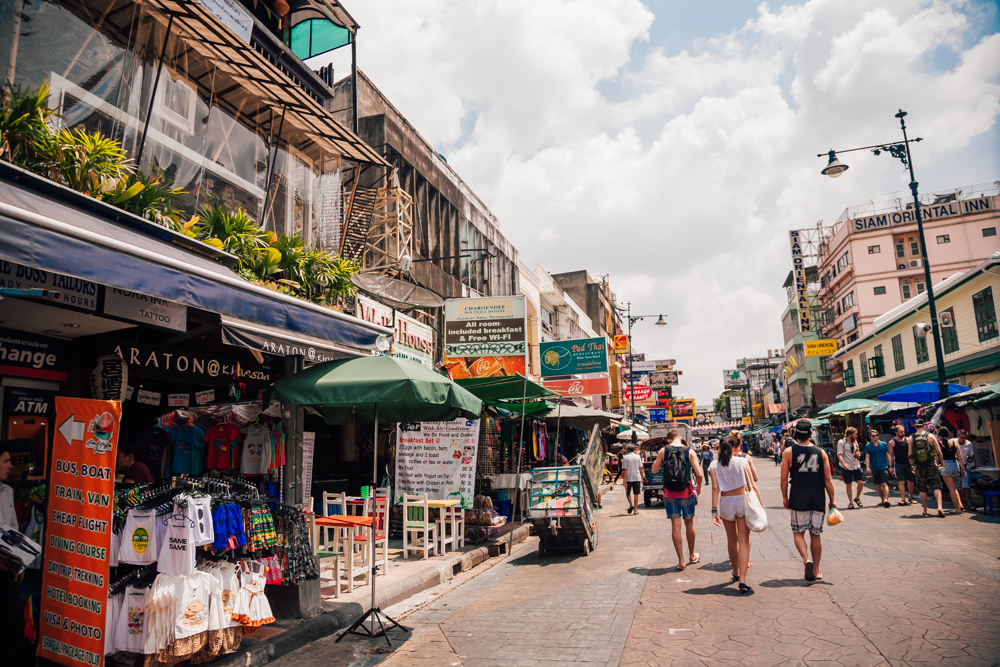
[(833, 517), (753, 510)]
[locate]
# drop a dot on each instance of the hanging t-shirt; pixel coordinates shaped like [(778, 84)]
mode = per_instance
[(130, 631), (153, 448), (194, 609), (177, 550), (139, 543), (223, 444), (36, 532), (189, 443), (229, 587), (111, 621), (254, 460), (199, 511)]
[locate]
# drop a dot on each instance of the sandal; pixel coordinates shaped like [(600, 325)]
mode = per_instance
[(745, 589), (858, 502), (940, 514), (926, 513), (850, 506), (902, 503), (810, 571), (696, 559), (736, 577)]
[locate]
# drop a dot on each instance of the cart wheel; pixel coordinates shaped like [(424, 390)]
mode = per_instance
[(541, 550), (647, 499), (586, 547)]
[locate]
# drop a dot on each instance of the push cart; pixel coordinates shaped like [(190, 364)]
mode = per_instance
[(560, 510)]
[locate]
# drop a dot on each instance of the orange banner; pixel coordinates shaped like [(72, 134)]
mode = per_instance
[(78, 532)]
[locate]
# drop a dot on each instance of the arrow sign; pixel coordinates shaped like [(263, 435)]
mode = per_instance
[(72, 430)]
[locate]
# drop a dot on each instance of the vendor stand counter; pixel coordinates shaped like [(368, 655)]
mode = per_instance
[(560, 511)]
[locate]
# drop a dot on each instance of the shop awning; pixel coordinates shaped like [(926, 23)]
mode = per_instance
[(531, 408), (505, 389), (582, 418), (53, 235), (850, 405)]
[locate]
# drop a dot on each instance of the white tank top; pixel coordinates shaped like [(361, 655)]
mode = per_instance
[(139, 544), (732, 476), (177, 550)]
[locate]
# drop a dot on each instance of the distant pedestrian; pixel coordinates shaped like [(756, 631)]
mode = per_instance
[(905, 476), (925, 455), (954, 467), (776, 450), (967, 451), (616, 462), (807, 467), (877, 456), (849, 458), (730, 479), (632, 465), (680, 493), (706, 459)]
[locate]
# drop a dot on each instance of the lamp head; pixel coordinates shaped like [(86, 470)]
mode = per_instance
[(835, 167), (404, 263), (661, 322)]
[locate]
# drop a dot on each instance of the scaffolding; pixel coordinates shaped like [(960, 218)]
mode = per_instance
[(391, 234)]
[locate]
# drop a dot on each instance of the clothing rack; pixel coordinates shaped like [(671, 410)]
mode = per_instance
[(120, 584)]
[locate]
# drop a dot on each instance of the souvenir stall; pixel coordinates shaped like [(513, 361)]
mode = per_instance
[(850, 412), (976, 411)]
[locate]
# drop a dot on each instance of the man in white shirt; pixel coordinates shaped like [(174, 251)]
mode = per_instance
[(848, 455), (632, 465)]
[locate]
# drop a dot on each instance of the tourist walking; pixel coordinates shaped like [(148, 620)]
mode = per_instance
[(776, 449), (849, 458), (905, 477), (877, 460), (954, 467), (632, 466), (925, 455), (967, 452), (807, 467), (706, 459), (680, 492), (730, 479)]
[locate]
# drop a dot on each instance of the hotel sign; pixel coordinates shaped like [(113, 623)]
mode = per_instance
[(801, 288), (951, 209)]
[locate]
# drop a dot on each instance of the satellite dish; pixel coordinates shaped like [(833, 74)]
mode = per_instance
[(396, 292)]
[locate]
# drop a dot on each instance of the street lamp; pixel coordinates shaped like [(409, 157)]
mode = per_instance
[(901, 151), (632, 319)]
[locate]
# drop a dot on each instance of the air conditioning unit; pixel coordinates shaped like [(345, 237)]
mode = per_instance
[(946, 320), (916, 263), (901, 267)]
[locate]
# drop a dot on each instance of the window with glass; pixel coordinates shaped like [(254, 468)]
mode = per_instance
[(880, 290), (914, 246), (847, 301), (989, 231), (986, 314), (949, 335), (905, 290), (919, 284), (944, 238), (874, 249), (863, 361), (843, 261), (897, 353), (920, 346), (849, 373), (900, 244)]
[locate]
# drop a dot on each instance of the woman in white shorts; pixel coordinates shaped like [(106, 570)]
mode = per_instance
[(729, 479)]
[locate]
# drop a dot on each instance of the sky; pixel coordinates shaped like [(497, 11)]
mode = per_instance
[(672, 144)]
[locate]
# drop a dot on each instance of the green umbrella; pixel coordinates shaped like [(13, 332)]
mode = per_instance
[(892, 406), (850, 405)]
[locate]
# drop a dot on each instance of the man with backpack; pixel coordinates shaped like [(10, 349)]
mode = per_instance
[(925, 455), (680, 494)]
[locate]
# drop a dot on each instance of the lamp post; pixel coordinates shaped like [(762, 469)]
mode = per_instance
[(901, 151), (632, 319)]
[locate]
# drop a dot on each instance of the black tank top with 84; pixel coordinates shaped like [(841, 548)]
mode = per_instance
[(808, 479)]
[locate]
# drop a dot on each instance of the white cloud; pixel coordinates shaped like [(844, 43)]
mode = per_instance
[(684, 189)]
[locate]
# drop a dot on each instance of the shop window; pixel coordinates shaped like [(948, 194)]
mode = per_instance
[(874, 249), (944, 238), (986, 314), (989, 231), (949, 335), (920, 345), (880, 290), (863, 362), (849, 373), (897, 353)]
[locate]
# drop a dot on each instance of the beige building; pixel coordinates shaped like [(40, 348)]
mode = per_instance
[(894, 353)]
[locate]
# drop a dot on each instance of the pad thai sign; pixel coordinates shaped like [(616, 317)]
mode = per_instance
[(437, 459)]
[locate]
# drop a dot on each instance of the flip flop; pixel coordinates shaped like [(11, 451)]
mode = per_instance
[(850, 506), (810, 571), (941, 514), (926, 513), (697, 559), (819, 577), (901, 503)]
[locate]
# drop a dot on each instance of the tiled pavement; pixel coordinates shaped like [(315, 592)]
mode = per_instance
[(899, 589)]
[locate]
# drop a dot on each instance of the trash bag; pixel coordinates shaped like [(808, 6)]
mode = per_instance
[(833, 517)]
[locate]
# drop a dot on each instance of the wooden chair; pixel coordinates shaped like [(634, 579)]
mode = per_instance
[(418, 531), (379, 511), (328, 557), (451, 528), (335, 504)]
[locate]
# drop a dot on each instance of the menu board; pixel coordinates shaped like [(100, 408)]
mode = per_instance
[(437, 459), (78, 533)]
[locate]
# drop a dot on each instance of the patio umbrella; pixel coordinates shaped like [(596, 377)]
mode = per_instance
[(921, 392), (627, 435), (892, 406), (849, 405)]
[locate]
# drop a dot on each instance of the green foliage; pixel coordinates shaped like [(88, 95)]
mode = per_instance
[(87, 162), (152, 199), (25, 132)]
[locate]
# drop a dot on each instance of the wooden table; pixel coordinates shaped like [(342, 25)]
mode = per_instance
[(449, 502), (348, 524)]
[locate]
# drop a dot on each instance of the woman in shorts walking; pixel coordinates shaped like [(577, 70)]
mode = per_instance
[(730, 477), (954, 467)]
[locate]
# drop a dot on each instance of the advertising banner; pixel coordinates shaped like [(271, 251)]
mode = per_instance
[(621, 344), (801, 286), (485, 337), (820, 348), (582, 387), (29, 355), (734, 379), (412, 339), (657, 415), (662, 380), (437, 459), (574, 357), (78, 533), (683, 409), (72, 291)]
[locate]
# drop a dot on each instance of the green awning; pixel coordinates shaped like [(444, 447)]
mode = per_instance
[(892, 406), (531, 408), (315, 36), (850, 405), (505, 389)]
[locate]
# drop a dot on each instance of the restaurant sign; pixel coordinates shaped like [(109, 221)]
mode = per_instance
[(574, 357), (412, 339)]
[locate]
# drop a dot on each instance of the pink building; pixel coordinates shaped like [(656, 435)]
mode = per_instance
[(869, 260)]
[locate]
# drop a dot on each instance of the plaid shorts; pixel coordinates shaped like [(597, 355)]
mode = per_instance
[(811, 521), (680, 508)]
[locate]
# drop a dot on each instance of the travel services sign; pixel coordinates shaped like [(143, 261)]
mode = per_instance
[(951, 209)]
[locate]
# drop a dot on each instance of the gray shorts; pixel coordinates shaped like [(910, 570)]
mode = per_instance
[(808, 520)]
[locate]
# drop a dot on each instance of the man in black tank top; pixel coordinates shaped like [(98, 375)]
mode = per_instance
[(807, 468)]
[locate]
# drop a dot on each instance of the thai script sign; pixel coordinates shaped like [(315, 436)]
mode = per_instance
[(574, 357)]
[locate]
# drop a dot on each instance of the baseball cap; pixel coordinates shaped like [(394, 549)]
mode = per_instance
[(919, 422), (803, 429)]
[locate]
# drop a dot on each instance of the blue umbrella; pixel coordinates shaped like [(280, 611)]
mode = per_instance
[(921, 392)]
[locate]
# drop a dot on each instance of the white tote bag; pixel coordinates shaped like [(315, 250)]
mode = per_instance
[(753, 510)]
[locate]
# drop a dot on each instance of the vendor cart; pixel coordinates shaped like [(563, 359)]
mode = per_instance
[(560, 510)]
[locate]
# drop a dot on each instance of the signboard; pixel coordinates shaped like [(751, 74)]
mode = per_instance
[(166, 363), (144, 309), (664, 364), (734, 379), (643, 366), (574, 357), (735, 407), (78, 533), (616, 385), (485, 337), (72, 291), (29, 355), (621, 344), (308, 449), (582, 387), (659, 430), (641, 391), (28, 402), (412, 339), (662, 380), (746, 420), (657, 415), (950, 209), (437, 459), (593, 463), (232, 15), (820, 348), (801, 286), (109, 379), (682, 409), (276, 344)]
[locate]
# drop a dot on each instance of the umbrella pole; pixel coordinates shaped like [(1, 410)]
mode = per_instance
[(517, 471)]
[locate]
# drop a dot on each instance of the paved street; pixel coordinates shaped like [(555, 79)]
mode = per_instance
[(899, 589)]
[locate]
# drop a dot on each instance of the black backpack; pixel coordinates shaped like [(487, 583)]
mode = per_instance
[(676, 469)]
